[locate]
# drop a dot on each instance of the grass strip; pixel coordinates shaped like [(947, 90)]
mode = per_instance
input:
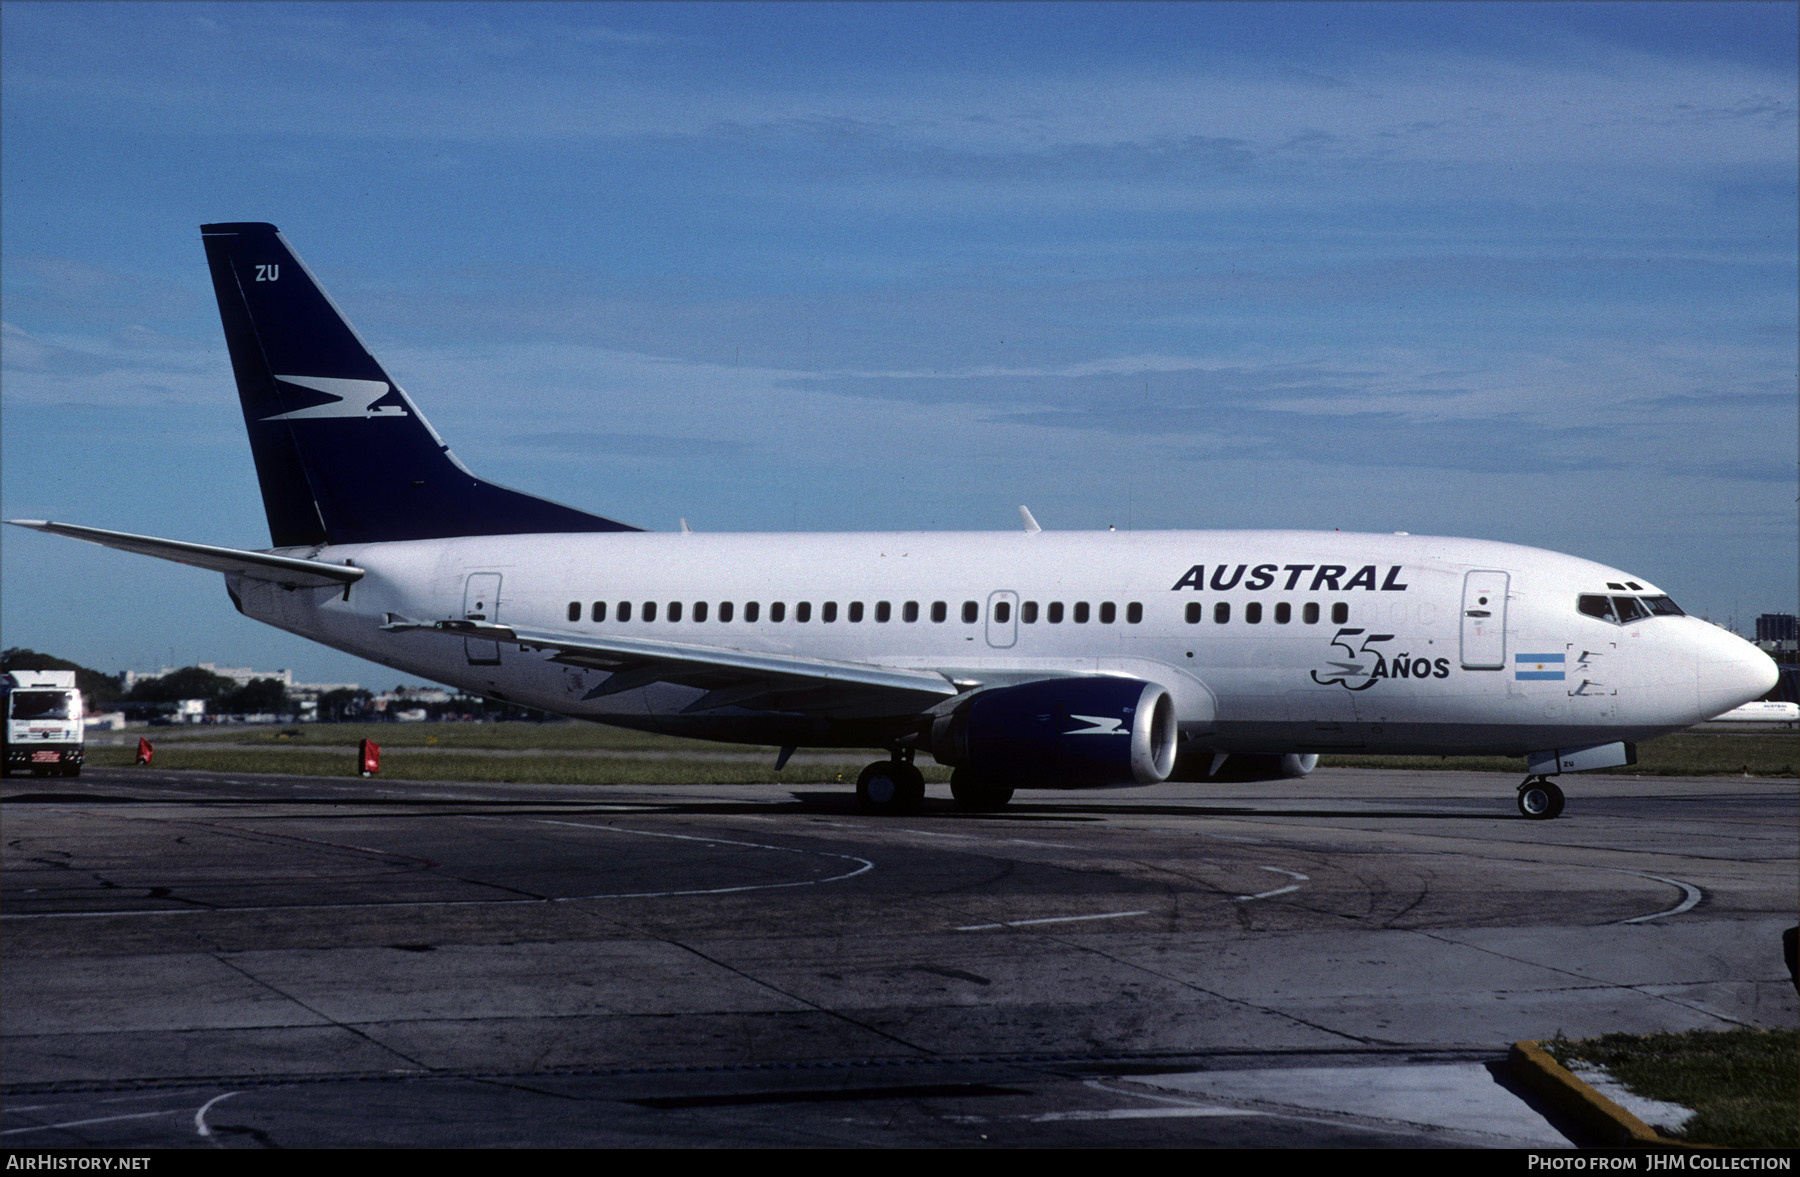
[(1682, 754), (549, 769), (1743, 1085)]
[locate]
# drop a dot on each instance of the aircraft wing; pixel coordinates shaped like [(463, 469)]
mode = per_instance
[(288, 571), (730, 678)]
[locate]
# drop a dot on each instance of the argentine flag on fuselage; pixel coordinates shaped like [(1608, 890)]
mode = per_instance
[(1538, 666)]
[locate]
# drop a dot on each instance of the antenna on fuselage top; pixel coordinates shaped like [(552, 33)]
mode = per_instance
[(1031, 525)]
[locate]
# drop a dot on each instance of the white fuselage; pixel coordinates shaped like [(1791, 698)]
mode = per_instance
[(1268, 641)]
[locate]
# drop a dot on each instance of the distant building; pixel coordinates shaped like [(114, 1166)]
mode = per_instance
[(1777, 627), (1778, 634)]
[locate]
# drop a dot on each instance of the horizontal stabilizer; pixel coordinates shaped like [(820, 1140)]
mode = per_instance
[(288, 571), (732, 678)]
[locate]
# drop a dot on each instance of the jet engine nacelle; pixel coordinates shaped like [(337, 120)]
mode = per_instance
[(1063, 732)]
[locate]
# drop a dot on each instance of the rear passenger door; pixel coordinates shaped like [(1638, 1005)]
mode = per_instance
[(481, 602)]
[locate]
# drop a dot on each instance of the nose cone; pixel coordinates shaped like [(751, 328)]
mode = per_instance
[(1731, 672)]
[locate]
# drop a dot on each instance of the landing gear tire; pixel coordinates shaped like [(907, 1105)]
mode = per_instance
[(1539, 799), (890, 787), (977, 795)]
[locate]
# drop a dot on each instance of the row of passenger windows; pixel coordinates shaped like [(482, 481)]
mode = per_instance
[(1253, 613), (1053, 613), (1081, 612)]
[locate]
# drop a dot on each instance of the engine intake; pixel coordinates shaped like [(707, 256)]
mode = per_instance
[(1065, 732)]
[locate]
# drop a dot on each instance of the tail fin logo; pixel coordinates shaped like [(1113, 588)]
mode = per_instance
[(350, 398)]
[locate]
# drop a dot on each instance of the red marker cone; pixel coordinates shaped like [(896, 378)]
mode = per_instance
[(145, 751), (370, 757)]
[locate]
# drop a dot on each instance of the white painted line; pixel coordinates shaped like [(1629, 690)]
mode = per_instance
[(1058, 919), (1292, 874), (1690, 892), (95, 1120), (1170, 1113), (866, 865), (200, 1124)]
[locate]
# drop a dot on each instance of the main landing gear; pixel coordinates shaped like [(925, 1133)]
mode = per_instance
[(896, 787), (891, 786), (1539, 799), (978, 795)]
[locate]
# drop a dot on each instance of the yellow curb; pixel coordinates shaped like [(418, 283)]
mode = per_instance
[(1610, 1123)]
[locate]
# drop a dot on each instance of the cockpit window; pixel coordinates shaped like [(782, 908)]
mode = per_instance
[(1597, 606), (1625, 610)]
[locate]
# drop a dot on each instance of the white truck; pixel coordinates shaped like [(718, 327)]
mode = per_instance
[(43, 731)]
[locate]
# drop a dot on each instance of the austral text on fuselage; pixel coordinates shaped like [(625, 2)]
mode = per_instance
[(1327, 577)]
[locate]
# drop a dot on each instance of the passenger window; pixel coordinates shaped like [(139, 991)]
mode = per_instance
[(624, 610), (1253, 613), (909, 611), (777, 611), (1630, 610), (699, 610), (674, 610), (1054, 613), (1221, 613), (883, 611), (752, 609), (828, 611), (1340, 613), (1028, 612), (802, 611), (724, 610), (1596, 606), (971, 611), (1134, 613), (1081, 612), (1194, 612), (574, 610), (939, 611), (1002, 612), (649, 610), (599, 611), (1284, 613), (1310, 613), (1108, 613), (856, 610)]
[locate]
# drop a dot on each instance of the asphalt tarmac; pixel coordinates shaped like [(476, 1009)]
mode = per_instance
[(225, 960)]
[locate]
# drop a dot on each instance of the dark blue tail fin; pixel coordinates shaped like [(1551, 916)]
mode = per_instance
[(342, 454)]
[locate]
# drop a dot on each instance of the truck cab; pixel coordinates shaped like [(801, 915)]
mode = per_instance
[(44, 729)]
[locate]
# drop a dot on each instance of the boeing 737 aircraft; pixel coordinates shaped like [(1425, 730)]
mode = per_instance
[(1030, 658)]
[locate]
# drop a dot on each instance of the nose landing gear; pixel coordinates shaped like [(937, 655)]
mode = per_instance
[(1539, 799)]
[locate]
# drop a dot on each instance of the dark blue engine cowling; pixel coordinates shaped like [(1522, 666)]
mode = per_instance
[(1063, 732)]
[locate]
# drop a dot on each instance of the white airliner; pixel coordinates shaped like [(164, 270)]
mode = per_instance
[(1024, 659), (1765, 713)]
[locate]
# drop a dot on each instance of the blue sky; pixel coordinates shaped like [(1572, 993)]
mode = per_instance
[(1522, 272)]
